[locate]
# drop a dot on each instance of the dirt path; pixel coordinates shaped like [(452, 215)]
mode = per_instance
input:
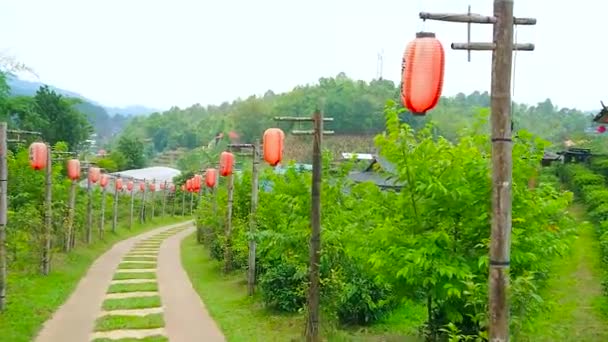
[(186, 317), (576, 291), (125, 312)]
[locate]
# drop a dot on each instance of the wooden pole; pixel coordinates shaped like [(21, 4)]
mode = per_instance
[(48, 223), (173, 198), (71, 206), (228, 247), (132, 207), (153, 200), (102, 221), (142, 215), (312, 324), (252, 220), (502, 169), (115, 208), (3, 213), (191, 203), (89, 211), (183, 203), (164, 199)]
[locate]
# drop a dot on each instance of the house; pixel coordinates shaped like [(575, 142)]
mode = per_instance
[(380, 172)]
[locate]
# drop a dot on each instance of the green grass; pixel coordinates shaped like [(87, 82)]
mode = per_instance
[(117, 322), (576, 305), (138, 258), (136, 266), (146, 275), (132, 303), (120, 288), (244, 319), (145, 339), (32, 298)]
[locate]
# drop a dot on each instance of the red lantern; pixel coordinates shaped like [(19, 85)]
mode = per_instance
[(601, 129), (38, 155), (183, 187), (162, 186), (104, 180), (172, 188), (118, 184), (94, 174), (232, 135), (197, 182), (130, 185), (152, 186), (422, 73), (273, 145), (189, 185), (210, 177), (142, 186), (226, 163), (73, 169)]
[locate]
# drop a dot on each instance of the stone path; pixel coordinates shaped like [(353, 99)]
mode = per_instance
[(137, 290)]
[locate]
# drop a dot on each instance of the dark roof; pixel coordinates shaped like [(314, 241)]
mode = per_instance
[(383, 177)]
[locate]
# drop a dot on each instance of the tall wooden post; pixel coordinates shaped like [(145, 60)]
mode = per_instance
[(102, 221), (142, 216), (164, 199), (115, 208), (314, 295), (71, 206), (132, 207), (173, 198), (228, 247), (502, 160), (183, 203), (3, 213), (48, 223), (191, 203), (153, 199), (89, 210), (252, 220)]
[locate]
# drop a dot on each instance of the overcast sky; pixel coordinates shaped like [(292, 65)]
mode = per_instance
[(161, 53)]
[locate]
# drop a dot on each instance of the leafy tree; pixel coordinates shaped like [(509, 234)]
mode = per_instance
[(132, 149)]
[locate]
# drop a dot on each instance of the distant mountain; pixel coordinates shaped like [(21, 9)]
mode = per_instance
[(29, 88)]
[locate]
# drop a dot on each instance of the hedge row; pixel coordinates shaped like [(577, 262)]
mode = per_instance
[(590, 187)]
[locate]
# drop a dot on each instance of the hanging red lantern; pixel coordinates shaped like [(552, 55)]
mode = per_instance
[(273, 141), (73, 169), (197, 182), (142, 186), (103, 182), (130, 185), (94, 174), (172, 188), (189, 185), (118, 184), (422, 73), (601, 129), (152, 186), (38, 155), (162, 186), (210, 177), (232, 135), (226, 163)]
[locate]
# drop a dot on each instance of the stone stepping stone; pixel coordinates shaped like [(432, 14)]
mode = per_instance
[(132, 281), (136, 270), (123, 295), (128, 334), (132, 312)]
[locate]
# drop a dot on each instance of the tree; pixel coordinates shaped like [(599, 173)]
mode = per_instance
[(133, 151)]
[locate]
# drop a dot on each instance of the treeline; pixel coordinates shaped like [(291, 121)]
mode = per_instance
[(356, 107)]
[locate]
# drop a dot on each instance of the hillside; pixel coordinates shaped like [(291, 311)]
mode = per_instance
[(356, 107)]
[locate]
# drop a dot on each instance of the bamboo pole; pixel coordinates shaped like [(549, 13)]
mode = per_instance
[(228, 247), (153, 199), (312, 324), (252, 220), (502, 169), (142, 215), (164, 199), (71, 206), (3, 213), (173, 198), (48, 222), (191, 203), (115, 208), (183, 203), (102, 221), (132, 207), (89, 210)]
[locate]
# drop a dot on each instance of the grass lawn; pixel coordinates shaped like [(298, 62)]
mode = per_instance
[(132, 303), (146, 275), (136, 266), (574, 292), (117, 322), (244, 319), (32, 298), (136, 287)]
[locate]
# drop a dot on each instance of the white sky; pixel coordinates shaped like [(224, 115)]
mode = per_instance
[(180, 52)]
